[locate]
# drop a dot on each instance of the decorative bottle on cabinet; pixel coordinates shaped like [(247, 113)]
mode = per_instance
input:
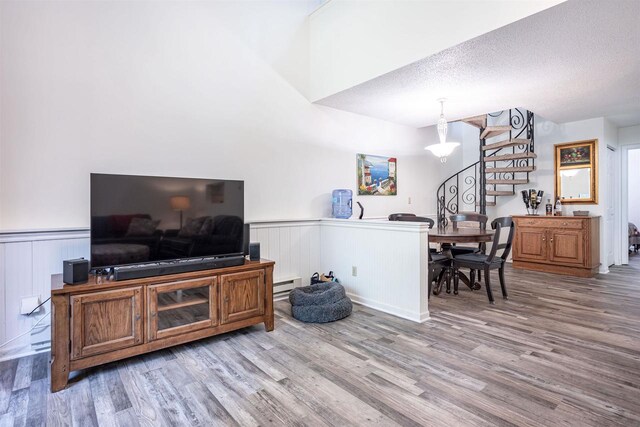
[(558, 207), (548, 208), (341, 207)]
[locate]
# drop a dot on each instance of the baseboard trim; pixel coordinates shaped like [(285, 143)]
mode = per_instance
[(389, 309), (557, 269), (21, 351)]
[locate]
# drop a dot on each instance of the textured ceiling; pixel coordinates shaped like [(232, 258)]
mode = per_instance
[(577, 60)]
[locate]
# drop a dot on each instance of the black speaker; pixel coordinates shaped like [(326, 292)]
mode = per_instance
[(254, 251), (75, 271), (246, 232)]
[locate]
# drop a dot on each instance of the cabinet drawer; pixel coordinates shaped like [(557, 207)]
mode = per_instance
[(564, 223)]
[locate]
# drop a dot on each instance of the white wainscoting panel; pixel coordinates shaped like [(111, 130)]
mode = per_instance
[(293, 245), (27, 261)]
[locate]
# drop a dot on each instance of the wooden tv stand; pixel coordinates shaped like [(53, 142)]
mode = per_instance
[(97, 323)]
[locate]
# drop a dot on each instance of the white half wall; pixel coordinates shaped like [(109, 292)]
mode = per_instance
[(179, 89), (390, 261)]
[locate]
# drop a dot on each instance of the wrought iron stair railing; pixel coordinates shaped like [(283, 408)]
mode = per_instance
[(477, 186)]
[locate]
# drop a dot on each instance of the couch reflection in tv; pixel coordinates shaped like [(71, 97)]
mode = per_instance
[(204, 236), (129, 239)]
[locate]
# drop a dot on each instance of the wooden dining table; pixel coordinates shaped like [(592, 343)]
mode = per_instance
[(448, 237)]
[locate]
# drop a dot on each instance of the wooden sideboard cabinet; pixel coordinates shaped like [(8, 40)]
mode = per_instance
[(558, 244), (97, 323)]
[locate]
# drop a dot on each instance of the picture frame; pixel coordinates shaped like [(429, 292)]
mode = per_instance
[(376, 175)]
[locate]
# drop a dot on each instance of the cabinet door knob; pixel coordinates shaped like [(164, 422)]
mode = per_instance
[(226, 299)]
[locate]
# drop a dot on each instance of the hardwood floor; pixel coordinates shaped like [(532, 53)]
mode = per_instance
[(561, 351)]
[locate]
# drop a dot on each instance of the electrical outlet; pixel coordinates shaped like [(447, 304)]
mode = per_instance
[(28, 304), (409, 202), (354, 271)]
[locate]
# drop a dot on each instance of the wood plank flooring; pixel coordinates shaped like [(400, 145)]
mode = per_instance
[(561, 351)]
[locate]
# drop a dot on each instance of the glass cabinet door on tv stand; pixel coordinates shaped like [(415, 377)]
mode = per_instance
[(181, 307)]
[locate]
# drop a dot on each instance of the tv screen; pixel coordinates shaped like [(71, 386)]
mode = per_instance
[(138, 219)]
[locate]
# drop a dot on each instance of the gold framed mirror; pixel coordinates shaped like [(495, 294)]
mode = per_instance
[(576, 172)]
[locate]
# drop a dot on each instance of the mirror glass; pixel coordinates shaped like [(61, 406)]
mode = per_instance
[(575, 183)]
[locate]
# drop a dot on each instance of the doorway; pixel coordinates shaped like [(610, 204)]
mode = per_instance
[(630, 183), (611, 203), (633, 193)]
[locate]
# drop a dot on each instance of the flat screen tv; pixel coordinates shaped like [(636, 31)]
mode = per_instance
[(140, 219)]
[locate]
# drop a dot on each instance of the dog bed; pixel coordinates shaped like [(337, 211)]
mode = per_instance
[(320, 303), (318, 294), (322, 313)]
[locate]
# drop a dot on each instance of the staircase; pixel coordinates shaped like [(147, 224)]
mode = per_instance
[(506, 156)]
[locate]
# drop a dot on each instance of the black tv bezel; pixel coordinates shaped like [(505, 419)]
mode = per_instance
[(93, 269)]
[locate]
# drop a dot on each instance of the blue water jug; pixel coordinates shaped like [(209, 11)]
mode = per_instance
[(341, 204)]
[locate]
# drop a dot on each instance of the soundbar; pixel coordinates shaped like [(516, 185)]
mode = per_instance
[(138, 271)]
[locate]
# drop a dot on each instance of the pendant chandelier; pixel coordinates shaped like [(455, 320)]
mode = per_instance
[(443, 148)]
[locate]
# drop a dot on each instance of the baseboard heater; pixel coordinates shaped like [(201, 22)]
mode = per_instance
[(282, 287), (127, 272)]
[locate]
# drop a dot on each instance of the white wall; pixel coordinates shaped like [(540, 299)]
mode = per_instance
[(629, 135), (179, 89), (355, 41), (634, 186)]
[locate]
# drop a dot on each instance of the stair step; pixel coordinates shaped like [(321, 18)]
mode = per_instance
[(499, 193), (491, 131), (507, 181), (514, 156), (511, 169), (477, 121), (506, 143), (488, 203)]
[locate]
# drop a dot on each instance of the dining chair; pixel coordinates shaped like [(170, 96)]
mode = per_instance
[(397, 216), (486, 263), (467, 217), (437, 261)]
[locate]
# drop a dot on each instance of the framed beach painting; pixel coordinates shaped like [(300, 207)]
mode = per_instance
[(377, 175)]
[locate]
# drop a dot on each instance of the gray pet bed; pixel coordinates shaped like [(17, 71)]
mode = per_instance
[(320, 303)]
